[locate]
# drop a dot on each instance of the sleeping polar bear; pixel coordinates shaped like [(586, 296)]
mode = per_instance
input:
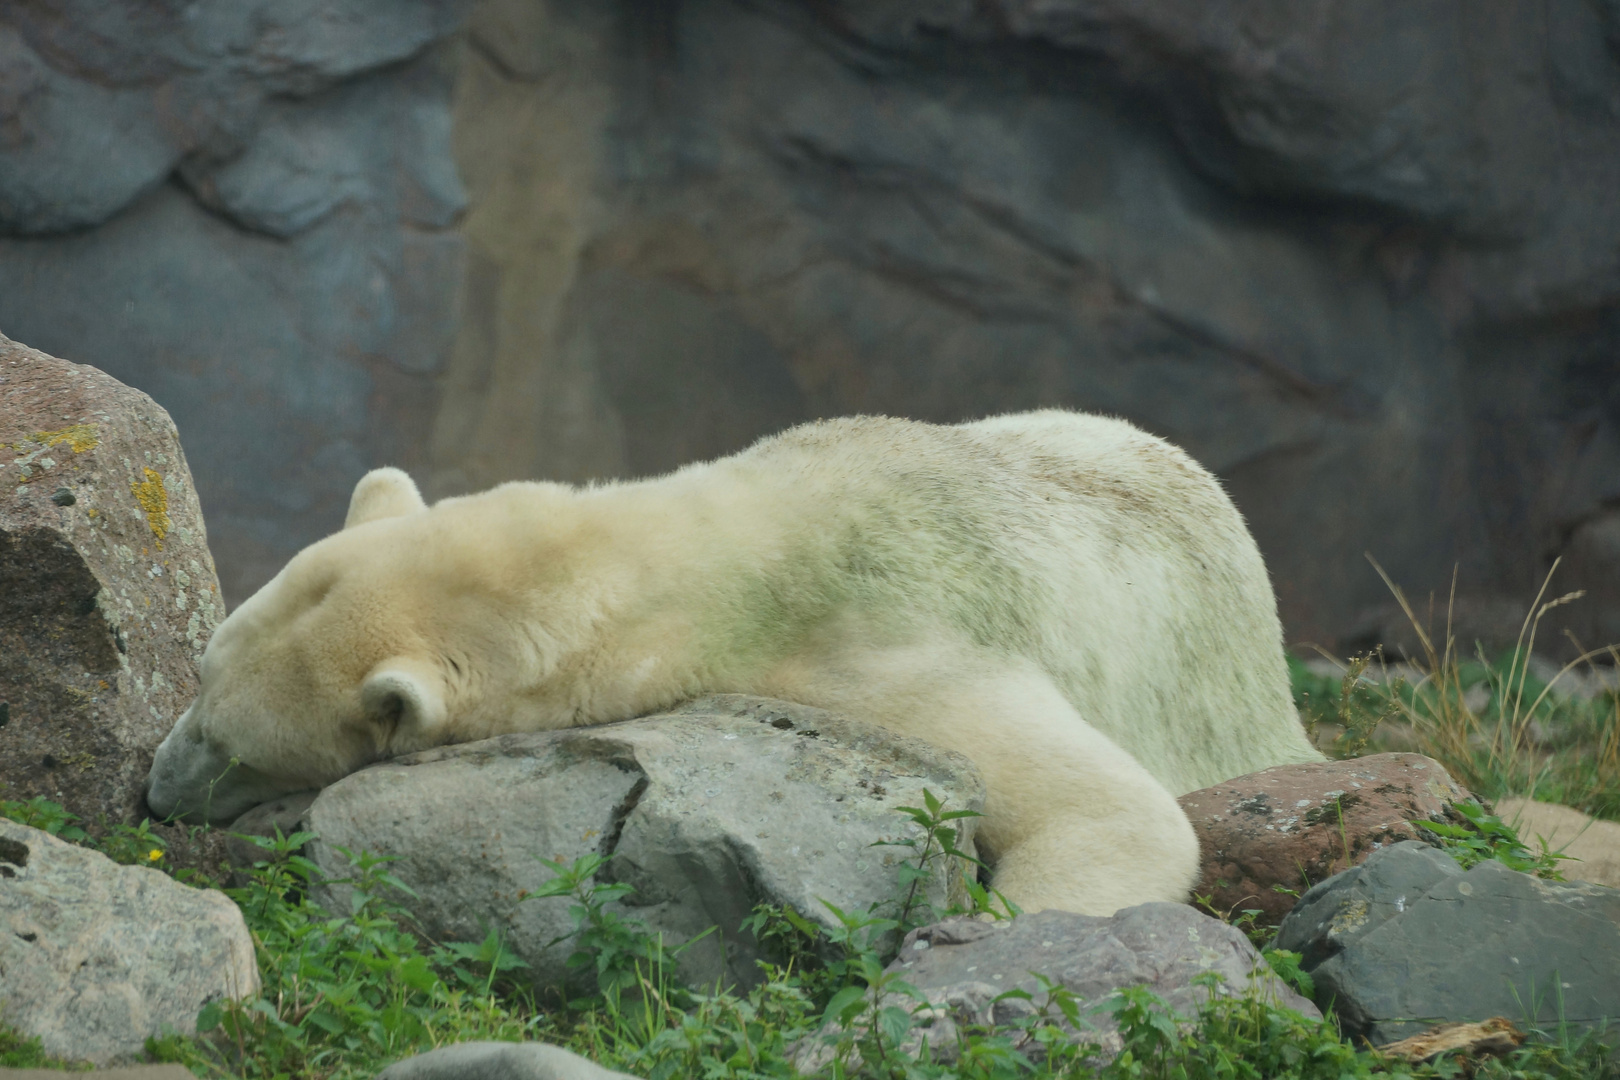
[(1069, 602)]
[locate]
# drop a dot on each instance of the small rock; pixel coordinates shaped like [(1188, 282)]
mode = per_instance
[(1408, 939), (499, 1061), (96, 957), (706, 811), (1295, 825), (963, 965)]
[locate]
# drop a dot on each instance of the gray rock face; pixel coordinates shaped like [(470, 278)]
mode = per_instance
[(95, 957), (728, 802), (1407, 939), (499, 1061), (962, 965), (1362, 263), (1346, 259), (244, 209), (107, 589)]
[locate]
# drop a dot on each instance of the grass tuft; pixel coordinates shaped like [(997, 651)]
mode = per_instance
[(1499, 726)]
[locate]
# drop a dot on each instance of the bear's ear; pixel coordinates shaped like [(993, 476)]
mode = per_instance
[(383, 493), (402, 695)]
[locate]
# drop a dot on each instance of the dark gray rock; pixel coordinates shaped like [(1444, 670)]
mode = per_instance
[(1408, 939), (723, 804), (499, 1061), (76, 152), (963, 965)]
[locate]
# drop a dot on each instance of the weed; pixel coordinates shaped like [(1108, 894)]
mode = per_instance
[(19, 1051), (619, 952), (343, 995), (1482, 837), (46, 816), (1497, 727)]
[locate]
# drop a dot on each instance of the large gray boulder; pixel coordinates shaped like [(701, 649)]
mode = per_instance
[(707, 811), (1408, 939), (96, 957)]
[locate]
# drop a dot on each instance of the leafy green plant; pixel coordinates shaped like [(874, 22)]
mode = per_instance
[(619, 952), (47, 816), (941, 839), (343, 995), (19, 1051), (133, 845), (1481, 837)]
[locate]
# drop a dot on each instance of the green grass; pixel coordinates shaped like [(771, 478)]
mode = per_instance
[(1498, 728), (346, 993)]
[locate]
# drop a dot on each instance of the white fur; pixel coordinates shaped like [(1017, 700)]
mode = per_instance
[(1071, 603)]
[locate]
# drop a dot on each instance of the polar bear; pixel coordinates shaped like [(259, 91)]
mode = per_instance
[(1069, 602)]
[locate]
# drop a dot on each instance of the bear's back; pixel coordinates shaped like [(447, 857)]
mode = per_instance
[(1104, 554)]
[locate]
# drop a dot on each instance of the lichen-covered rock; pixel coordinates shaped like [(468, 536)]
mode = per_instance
[(707, 811), (1408, 939), (107, 589), (1269, 836), (96, 957)]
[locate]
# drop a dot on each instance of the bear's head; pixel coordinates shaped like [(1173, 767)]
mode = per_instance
[(361, 648)]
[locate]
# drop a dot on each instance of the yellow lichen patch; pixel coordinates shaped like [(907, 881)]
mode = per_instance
[(80, 437), (155, 501)]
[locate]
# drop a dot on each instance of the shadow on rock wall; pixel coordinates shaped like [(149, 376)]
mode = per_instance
[(1363, 261)]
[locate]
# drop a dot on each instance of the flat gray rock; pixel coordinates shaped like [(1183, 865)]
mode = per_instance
[(499, 1061), (1409, 939), (95, 957), (707, 811)]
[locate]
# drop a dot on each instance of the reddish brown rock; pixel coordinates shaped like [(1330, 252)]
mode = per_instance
[(1269, 836), (107, 589)]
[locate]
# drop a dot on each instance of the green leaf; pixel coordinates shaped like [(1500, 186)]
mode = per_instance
[(844, 1006)]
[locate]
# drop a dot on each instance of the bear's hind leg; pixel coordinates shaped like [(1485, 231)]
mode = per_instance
[(1071, 821)]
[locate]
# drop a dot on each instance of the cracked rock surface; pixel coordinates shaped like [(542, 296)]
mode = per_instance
[(1409, 939), (95, 957), (727, 802)]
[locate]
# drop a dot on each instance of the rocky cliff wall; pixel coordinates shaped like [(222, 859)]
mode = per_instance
[(244, 208), (1361, 259)]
